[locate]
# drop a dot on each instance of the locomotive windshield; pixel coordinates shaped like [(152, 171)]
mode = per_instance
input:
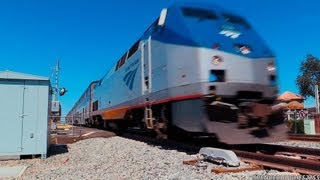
[(236, 20), (201, 14)]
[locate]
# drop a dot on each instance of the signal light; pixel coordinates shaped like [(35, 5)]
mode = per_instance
[(63, 91)]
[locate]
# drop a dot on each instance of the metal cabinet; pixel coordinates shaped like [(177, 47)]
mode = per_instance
[(24, 114)]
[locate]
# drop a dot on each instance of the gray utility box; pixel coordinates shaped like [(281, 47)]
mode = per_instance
[(24, 114)]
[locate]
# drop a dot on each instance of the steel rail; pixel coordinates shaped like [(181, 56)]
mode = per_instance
[(259, 154), (302, 137), (272, 149), (307, 167)]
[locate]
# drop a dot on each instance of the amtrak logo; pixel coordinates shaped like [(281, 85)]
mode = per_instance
[(229, 31), (129, 78)]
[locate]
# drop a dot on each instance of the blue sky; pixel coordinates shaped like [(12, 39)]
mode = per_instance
[(90, 35)]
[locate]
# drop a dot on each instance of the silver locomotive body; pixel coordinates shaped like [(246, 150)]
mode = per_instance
[(199, 69)]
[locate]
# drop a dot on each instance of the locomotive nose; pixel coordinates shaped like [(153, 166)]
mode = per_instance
[(247, 122)]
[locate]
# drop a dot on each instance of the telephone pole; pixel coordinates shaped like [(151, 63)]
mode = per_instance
[(316, 90)]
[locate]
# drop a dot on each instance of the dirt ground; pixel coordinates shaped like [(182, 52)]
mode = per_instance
[(77, 134)]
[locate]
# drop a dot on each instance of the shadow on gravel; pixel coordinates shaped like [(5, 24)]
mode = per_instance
[(189, 146), (56, 149)]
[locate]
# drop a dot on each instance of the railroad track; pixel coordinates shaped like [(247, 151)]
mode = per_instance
[(293, 159), (304, 161), (287, 158), (303, 137)]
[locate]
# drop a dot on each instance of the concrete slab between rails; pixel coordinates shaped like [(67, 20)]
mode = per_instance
[(221, 156), (12, 172)]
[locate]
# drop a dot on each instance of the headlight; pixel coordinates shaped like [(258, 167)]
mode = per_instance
[(216, 60), (271, 68), (244, 49)]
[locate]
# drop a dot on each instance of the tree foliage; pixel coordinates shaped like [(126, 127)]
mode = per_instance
[(309, 76)]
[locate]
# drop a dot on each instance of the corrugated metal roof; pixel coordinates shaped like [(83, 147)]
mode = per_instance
[(20, 76)]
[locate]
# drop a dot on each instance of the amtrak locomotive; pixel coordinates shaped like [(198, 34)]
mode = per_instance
[(198, 69)]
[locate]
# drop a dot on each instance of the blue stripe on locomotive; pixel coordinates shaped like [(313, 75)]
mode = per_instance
[(129, 78), (182, 30)]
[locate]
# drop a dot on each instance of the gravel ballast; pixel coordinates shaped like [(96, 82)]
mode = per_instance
[(305, 144), (120, 158)]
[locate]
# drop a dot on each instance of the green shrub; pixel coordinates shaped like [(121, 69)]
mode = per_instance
[(296, 126)]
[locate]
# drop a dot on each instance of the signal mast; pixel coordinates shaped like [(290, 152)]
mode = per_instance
[(56, 91)]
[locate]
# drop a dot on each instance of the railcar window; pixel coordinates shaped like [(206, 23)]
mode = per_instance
[(133, 49), (236, 20), (95, 106), (201, 14), (121, 61), (117, 67)]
